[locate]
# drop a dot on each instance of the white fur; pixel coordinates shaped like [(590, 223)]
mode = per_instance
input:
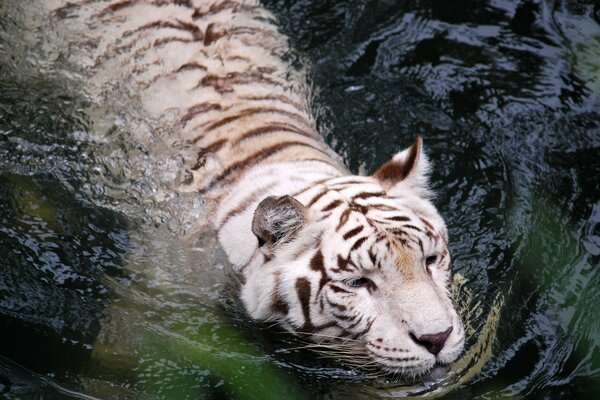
[(409, 298)]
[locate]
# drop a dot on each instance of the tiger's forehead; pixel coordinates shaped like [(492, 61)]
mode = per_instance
[(362, 200), (351, 187), (370, 228), (361, 194), (366, 248)]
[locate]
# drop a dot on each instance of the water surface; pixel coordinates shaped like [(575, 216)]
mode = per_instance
[(100, 296)]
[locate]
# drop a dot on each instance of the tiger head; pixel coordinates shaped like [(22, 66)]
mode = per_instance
[(361, 261)]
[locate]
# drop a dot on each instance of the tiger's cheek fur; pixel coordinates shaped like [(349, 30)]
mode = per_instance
[(387, 244), (260, 293), (279, 290)]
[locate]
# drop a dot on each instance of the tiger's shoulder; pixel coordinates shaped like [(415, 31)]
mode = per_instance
[(210, 73)]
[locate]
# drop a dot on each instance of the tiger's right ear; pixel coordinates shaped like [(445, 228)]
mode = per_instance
[(407, 170), (277, 219)]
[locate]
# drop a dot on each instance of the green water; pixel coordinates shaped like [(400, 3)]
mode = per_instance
[(99, 296)]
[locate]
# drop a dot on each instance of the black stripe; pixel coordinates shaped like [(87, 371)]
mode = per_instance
[(340, 307), (372, 256), (162, 41), (281, 98), (278, 305), (191, 28), (211, 148), (412, 227), (358, 243), (381, 207), (399, 218), (198, 109), (343, 218), (342, 317), (246, 112), (318, 264), (274, 127), (220, 6), (427, 224), (119, 5), (193, 65), (396, 359), (332, 205), (353, 232), (342, 264), (336, 289), (364, 331), (238, 167), (359, 208), (303, 292), (366, 195), (354, 325), (317, 197), (224, 83)]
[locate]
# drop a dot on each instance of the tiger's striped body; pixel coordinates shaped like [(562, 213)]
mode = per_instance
[(300, 228)]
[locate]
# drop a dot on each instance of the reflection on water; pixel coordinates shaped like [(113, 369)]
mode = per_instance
[(102, 292)]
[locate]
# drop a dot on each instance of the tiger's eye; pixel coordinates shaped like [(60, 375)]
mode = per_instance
[(360, 282)]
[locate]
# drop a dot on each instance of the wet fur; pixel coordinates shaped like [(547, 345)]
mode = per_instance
[(215, 72)]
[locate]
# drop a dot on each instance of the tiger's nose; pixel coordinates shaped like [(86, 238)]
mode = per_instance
[(433, 342)]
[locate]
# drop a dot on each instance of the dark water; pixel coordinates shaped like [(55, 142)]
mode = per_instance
[(506, 95)]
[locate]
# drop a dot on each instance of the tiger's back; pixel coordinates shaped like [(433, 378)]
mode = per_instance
[(214, 69), (337, 256)]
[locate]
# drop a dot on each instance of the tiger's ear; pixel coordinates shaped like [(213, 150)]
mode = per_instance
[(277, 219), (407, 170)]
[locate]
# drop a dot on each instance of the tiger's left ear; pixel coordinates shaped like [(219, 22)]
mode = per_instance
[(277, 219), (407, 170)]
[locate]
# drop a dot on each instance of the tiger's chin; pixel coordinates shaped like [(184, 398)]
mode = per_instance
[(409, 372), (413, 370), (414, 366)]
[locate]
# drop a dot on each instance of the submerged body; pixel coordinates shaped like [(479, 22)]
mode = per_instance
[(351, 259)]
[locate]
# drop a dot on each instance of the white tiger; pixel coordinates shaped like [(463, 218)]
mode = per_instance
[(353, 259)]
